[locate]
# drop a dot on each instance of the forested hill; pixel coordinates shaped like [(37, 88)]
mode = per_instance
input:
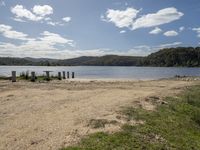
[(169, 57), (181, 56)]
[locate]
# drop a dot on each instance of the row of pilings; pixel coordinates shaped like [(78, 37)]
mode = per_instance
[(47, 77)]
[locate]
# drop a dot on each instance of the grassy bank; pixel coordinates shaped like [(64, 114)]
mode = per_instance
[(37, 78), (4, 78), (25, 78), (173, 125)]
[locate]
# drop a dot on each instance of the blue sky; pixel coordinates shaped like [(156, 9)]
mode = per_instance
[(73, 28)]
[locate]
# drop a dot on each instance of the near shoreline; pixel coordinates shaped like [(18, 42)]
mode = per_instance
[(59, 113)]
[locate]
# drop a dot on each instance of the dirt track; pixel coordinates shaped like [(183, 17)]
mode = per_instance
[(52, 115)]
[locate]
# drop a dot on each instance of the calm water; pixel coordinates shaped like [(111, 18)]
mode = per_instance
[(95, 72)]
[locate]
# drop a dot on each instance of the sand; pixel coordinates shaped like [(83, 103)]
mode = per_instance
[(49, 116)]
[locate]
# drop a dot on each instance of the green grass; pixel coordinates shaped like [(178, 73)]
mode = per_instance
[(26, 76), (100, 123), (4, 78), (38, 78), (175, 125)]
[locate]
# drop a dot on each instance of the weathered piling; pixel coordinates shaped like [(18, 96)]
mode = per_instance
[(73, 75), (33, 76), (67, 74), (27, 75), (13, 76), (59, 76), (48, 75), (64, 77)]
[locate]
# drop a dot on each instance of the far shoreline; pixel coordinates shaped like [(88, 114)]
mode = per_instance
[(101, 66)]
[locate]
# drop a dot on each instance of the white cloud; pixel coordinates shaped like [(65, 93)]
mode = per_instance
[(18, 20), (8, 49), (171, 33), (53, 45), (58, 23), (169, 45), (181, 29), (103, 18), (66, 19), (2, 3), (142, 50), (42, 49), (156, 30), (121, 18), (128, 18), (145, 50), (55, 23), (122, 31), (47, 19), (8, 32), (39, 13), (46, 40), (46, 45), (22, 12), (42, 10), (163, 16), (197, 30), (4, 28), (53, 38)]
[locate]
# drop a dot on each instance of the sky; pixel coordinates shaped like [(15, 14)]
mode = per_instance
[(71, 28)]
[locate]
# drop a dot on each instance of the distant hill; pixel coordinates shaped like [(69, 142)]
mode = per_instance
[(108, 60), (169, 57), (180, 56), (40, 59), (14, 61), (76, 61)]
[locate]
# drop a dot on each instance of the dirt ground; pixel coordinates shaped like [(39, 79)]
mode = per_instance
[(48, 116)]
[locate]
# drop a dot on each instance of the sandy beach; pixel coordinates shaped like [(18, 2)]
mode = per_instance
[(52, 115)]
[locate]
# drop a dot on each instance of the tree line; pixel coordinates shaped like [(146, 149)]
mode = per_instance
[(168, 57)]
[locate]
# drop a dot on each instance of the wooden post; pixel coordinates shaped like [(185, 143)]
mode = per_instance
[(13, 76), (27, 75), (64, 77), (73, 76), (33, 76), (59, 76), (47, 75), (48, 78), (67, 74)]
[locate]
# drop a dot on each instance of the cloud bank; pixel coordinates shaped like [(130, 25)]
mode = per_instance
[(37, 13), (53, 45), (129, 18)]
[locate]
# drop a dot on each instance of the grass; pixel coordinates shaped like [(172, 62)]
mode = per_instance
[(100, 123), (26, 76), (174, 125), (4, 78), (38, 78)]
